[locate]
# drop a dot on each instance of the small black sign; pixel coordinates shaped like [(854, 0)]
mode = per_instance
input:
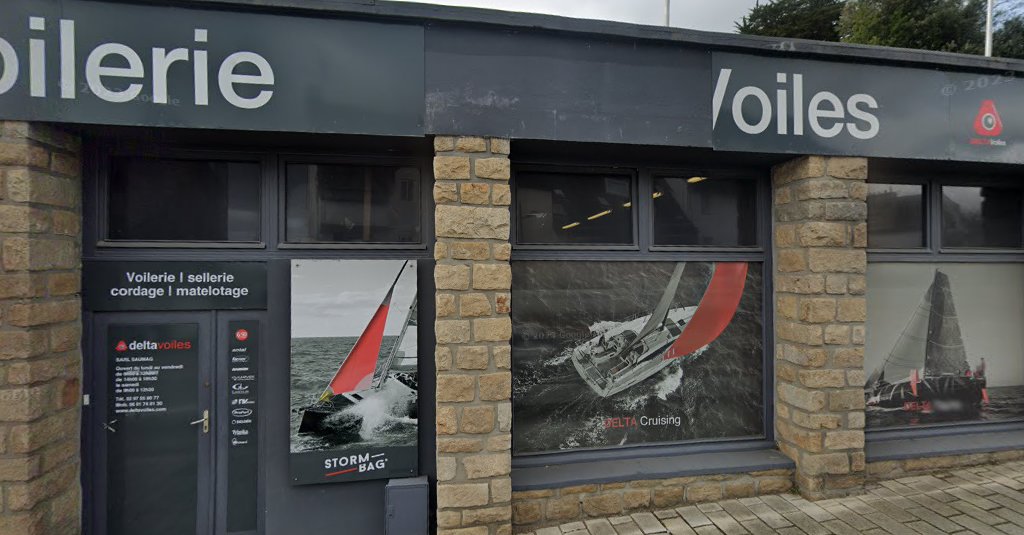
[(241, 413), (119, 286)]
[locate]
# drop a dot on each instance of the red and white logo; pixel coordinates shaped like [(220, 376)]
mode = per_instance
[(121, 347), (241, 335), (988, 123)]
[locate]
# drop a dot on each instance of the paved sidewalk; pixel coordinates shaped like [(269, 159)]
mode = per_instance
[(985, 499)]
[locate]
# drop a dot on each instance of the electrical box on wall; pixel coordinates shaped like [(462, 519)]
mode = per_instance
[(406, 502)]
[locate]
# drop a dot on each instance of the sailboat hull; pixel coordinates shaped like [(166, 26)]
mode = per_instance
[(315, 418), (945, 393)]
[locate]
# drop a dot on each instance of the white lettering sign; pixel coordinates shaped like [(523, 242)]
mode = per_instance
[(826, 113), (117, 73)]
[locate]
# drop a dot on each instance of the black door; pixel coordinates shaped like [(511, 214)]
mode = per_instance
[(154, 442)]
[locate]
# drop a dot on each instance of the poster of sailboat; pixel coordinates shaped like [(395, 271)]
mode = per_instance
[(623, 353), (944, 344), (354, 389)]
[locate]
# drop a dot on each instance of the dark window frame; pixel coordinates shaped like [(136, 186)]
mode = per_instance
[(926, 215), (935, 253), (581, 170), (426, 206), (104, 170), (98, 159), (644, 251)]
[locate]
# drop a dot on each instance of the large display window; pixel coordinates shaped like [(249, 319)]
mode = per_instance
[(945, 302), (659, 344)]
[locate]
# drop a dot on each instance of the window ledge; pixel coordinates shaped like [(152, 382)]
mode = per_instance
[(962, 443), (613, 471)]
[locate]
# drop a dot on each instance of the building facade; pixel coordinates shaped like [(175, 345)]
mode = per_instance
[(398, 268)]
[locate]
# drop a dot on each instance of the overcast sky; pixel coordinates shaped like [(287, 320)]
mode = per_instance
[(338, 297), (712, 15)]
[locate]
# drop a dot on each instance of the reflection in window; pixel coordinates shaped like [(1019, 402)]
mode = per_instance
[(895, 216), (703, 210), (183, 200), (574, 209), (352, 203), (974, 216)]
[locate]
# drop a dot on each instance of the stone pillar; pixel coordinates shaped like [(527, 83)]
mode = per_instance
[(820, 235), (40, 330), (473, 331)]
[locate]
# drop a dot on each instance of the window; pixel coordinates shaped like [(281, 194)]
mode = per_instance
[(345, 203), (981, 217), (572, 208), (603, 355), (181, 200), (705, 210), (944, 343), (895, 216)]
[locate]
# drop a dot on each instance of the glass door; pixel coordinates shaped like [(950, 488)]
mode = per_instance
[(154, 418)]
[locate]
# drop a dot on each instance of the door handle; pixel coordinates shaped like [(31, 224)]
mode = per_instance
[(205, 420)]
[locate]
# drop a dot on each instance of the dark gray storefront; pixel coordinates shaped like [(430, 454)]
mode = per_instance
[(227, 145)]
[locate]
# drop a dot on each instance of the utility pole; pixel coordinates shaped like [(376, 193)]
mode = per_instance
[(668, 12), (988, 29)]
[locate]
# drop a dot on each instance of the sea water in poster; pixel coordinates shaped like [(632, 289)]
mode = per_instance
[(353, 370), (623, 353), (944, 343)]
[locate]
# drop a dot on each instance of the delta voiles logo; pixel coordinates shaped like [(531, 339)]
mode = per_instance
[(988, 124), (149, 345)]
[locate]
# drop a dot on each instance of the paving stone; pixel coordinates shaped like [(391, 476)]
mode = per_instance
[(600, 526), (549, 531), (984, 500), (977, 513), (769, 516), (975, 526), (807, 524), (840, 528), (628, 529), (726, 523), (756, 527), (677, 526), (693, 516), (780, 505), (708, 507), (648, 523), (933, 505), (1012, 515), (851, 518), (935, 519), (889, 509), (925, 528), (738, 510), (1011, 529)]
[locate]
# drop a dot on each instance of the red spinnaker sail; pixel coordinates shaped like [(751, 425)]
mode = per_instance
[(715, 310), (356, 373)]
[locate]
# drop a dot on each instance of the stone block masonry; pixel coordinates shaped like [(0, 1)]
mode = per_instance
[(820, 237), (40, 330), (473, 332), (534, 509)]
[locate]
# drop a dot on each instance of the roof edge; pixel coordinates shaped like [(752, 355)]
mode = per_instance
[(761, 45)]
